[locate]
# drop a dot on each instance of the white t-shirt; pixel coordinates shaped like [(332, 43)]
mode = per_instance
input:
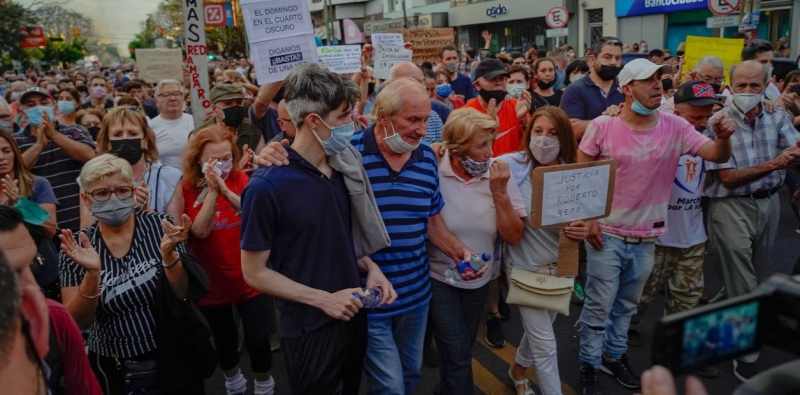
[(172, 135), (684, 213)]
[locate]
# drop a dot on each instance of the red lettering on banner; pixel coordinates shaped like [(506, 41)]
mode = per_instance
[(196, 49), (201, 94), (189, 60), (193, 69), (196, 81)]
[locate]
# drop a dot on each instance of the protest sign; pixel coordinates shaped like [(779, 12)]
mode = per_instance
[(196, 58), (341, 59), (428, 42), (275, 58), (727, 49), (159, 64), (387, 40), (276, 19), (386, 57)]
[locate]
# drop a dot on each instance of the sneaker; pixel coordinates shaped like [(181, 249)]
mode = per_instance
[(797, 231), (708, 372), (589, 380), (503, 309), (577, 294), (744, 371), (622, 371), (635, 339), (274, 344), (494, 332)]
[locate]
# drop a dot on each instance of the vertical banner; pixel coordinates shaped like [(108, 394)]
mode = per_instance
[(196, 58)]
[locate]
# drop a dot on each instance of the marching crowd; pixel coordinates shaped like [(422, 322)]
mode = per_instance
[(154, 241)]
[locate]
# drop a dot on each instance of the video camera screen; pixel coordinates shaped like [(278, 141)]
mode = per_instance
[(719, 334)]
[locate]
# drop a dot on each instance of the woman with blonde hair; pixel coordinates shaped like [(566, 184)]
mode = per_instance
[(481, 201), (210, 195)]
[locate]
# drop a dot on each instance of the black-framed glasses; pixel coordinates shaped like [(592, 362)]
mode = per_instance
[(103, 194), (168, 95)]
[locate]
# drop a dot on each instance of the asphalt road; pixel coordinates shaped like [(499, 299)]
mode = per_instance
[(491, 364)]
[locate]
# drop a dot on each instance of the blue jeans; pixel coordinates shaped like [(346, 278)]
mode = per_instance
[(394, 352), (616, 276), (456, 315)]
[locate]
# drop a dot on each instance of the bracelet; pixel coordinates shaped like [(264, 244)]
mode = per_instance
[(173, 263), (99, 291)]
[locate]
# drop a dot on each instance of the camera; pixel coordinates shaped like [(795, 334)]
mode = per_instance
[(687, 341)]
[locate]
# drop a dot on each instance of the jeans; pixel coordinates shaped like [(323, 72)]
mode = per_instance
[(394, 352), (616, 276), (456, 315)]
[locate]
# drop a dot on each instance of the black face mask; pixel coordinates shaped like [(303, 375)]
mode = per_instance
[(94, 130), (545, 85), (700, 129), (233, 116), (666, 84), (717, 88), (498, 96), (370, 88), (608, 73), (128, 149)]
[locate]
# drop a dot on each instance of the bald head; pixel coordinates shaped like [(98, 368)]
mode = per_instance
[(396, 94), (406, 70), (748, 67), (749, 76)]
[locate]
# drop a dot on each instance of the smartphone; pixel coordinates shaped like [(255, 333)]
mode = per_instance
[(704, 336), (795, 89)]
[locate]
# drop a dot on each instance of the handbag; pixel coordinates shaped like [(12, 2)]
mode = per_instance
[(141, 377), (541, 291)]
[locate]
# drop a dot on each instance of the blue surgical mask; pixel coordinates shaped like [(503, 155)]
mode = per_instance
[(514, 90), (340, 137), (444, 90), (396, 143), (35, 114), (66, 107), (640, 109)]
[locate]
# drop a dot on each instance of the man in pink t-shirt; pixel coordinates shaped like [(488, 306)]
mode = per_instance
[(647, 145)]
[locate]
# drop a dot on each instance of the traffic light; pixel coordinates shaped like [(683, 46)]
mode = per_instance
[(160, 32)]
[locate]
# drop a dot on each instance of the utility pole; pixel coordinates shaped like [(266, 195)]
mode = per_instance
[(327, 16), (405, 18)]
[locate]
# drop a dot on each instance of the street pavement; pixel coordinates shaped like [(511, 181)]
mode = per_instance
[(490, 365)]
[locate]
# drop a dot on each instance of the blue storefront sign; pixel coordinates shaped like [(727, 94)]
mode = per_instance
[(645, 7)]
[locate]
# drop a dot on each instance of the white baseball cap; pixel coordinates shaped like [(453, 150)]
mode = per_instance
[(640, 69)]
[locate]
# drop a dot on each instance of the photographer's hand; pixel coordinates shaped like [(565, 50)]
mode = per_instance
[(659, 381)]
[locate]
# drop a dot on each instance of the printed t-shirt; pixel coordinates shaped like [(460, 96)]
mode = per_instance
[(684, 212)]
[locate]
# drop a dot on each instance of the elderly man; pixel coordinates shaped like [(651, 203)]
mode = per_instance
[(228, 113), (54, 151), (744, 208), (172, 126), (710, 70), (439, 113), (621, 247)]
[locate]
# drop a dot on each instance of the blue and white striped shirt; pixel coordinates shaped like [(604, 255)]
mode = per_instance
[(406, 199)]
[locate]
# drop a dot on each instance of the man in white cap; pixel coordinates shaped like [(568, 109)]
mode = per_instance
[(646, 145)]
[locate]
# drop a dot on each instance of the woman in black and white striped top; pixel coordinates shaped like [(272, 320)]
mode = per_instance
[(109, 276)]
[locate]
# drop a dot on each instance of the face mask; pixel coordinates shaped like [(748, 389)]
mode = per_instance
[(444, 90), (224, 167), (66, 107), (94, 131), (340, 138), (233, 116), (475, 168), (640, 109), (608, 73), (114, 211), (15, 95), (666, 84), (746, 101), (545, 85), (487, 95), (396, 143), (452, 67), (462, 68), (576, 77), (717, 88), (128, 149), (6, 125), (514, 90), (370, 88), (98, 92), (544, 149), (35, 114)]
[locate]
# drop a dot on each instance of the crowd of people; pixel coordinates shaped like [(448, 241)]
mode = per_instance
[(293, 202)]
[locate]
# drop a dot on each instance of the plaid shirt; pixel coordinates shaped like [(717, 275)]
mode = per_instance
[(751, 147)]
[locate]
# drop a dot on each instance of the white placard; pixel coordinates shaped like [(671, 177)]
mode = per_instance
[(274, 59), (156, 64), (386, 57), (571, 195), (276, 19), (341, 59), (562, 32), (387, 40), (196, 59)]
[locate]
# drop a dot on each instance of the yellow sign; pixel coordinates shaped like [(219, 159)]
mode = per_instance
[(727, 49)]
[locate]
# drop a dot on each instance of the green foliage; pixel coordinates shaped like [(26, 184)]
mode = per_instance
[(12, 17), (64, 51)]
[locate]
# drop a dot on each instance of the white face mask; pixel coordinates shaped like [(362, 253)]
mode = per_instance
[(544, 149), (746, 101), (396, 143), (576, 77), (514, 90)]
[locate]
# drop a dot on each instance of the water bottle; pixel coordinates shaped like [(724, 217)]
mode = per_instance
[(475, 264), (371, 298)]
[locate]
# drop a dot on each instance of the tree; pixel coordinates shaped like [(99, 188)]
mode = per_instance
[(12, 17), (58, 21), (56, 52)]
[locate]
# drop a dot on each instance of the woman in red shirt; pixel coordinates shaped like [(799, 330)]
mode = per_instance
[(209, 194)]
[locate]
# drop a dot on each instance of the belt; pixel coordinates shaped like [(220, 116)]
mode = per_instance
[(762, 194), (633, 240)]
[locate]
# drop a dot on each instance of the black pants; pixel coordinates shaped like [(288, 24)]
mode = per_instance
[(254, 314), (112, 379), (328, 360)]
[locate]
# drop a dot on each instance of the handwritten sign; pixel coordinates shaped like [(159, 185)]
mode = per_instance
[(341, 59), (387, 40), (428, 42), (386, 57), (727, 49), (159, 64), (276, 19), (196, 58), (275, 58)]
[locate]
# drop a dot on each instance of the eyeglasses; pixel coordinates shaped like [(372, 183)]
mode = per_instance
[(710, 80), (170, 95), (103, 194)]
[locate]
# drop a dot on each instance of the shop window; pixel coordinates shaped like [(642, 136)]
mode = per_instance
[(595, 25)]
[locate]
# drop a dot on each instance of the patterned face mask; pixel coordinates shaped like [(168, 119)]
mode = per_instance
[(475, 168)]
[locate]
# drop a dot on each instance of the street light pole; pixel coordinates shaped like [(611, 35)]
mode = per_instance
[(405, 18)]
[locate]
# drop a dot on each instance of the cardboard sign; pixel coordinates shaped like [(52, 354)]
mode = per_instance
[(276, 19), (386, 57), (341, 59), (428, 42), (196, 59), (727, 49), (275, 58), (159, 64), (566, 193)]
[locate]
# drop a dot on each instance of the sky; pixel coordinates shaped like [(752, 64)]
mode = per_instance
[(114, 20)]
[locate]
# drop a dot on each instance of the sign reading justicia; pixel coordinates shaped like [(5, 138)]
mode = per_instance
[(645, 7)]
